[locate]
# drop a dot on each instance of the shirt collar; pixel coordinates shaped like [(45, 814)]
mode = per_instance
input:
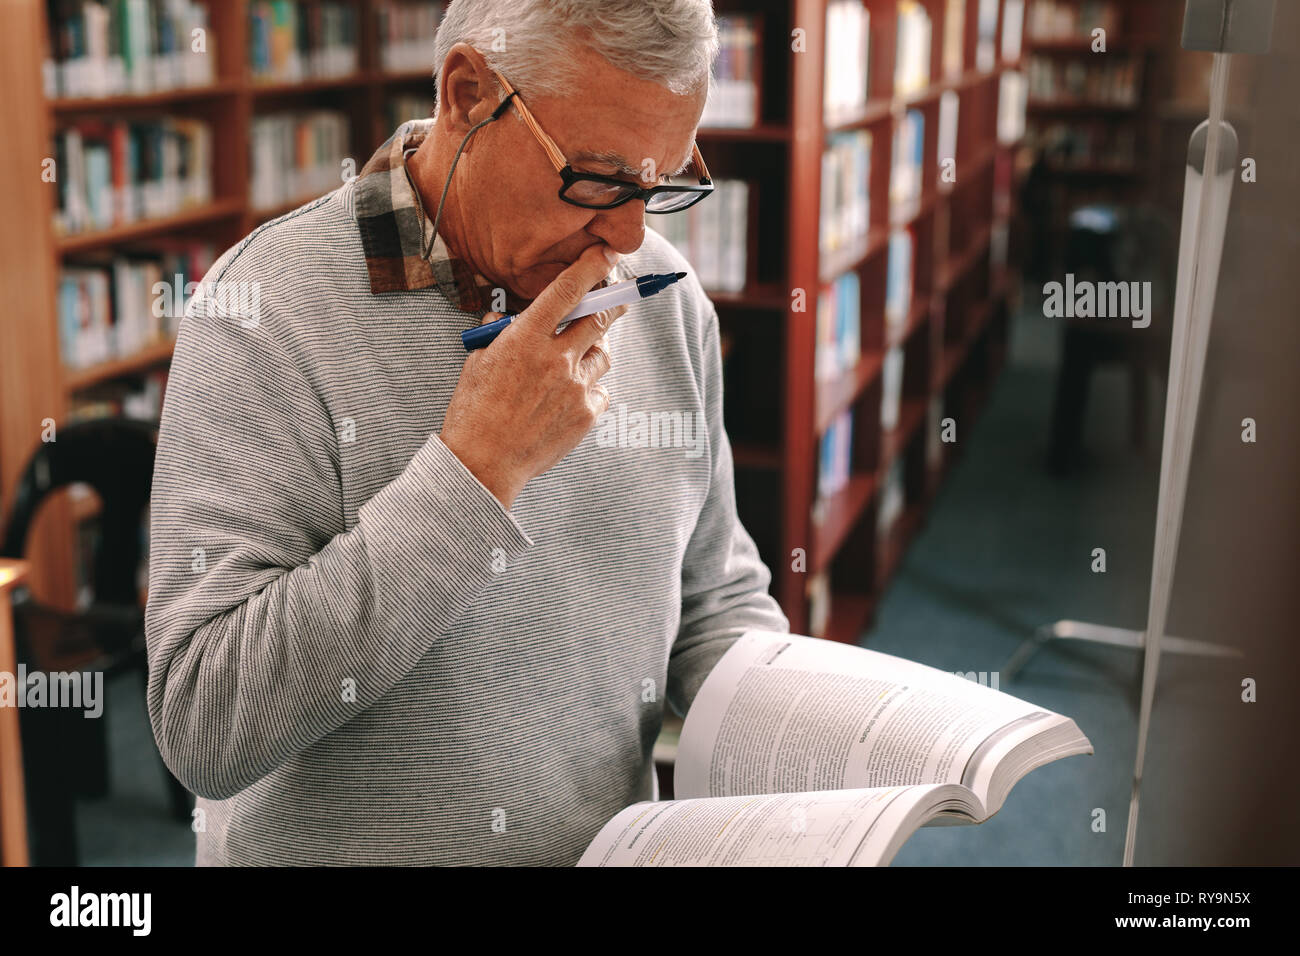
[(392, 223)]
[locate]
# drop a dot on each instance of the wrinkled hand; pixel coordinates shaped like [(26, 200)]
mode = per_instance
[(530, 397)]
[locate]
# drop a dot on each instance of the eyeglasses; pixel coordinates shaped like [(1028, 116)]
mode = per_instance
[(593, 191)]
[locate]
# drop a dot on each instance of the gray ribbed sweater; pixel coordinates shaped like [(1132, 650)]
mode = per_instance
[(357, 656)]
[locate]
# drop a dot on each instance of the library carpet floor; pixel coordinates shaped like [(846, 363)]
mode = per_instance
[(1005, 549)]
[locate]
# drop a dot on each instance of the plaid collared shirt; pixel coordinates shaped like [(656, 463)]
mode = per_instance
[(393, 224)]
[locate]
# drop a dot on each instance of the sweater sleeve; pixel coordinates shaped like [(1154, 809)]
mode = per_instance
[(268, 625), (724, 582)]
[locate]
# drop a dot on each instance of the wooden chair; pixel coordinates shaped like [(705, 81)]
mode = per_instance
[(1109, 244), (66, 755), (13, 810)]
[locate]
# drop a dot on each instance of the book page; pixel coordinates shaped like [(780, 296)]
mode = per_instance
[(787, 714), (841, 828)]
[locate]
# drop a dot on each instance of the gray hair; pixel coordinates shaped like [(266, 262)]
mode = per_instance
[(531, 42)]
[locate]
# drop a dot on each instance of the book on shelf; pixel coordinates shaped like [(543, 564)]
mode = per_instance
[(835, 455), (1112, 80), (289, 42), (934, 431), (405, 31), (111, 307), (1013, 99), (907, 177), (1060, 20), (733, 85), (954, 38), (137, 319), (819, 604), (296, 156), (946, 135), (898, 283), (986, 36), (891, 388), (111, 173), (763, 777), (85, 316), (712, 235), (893, 499), (845, 190), (912, 49), (400, 107), (102, 48), (1013, 26), (839, 332), (848, 44)]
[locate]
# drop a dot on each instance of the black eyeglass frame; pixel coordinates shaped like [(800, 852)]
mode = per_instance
[(638, 192), (570, 176)]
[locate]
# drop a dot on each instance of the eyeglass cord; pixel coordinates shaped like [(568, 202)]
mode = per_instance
[(427, 247)]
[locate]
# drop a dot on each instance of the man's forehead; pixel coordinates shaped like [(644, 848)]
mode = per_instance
[(623, 164)]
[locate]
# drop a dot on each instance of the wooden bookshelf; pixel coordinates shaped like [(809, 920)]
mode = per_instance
[(79, 379), (187, 221), (957, 315), (843, 391), (1070, 105), (840, 513), (100, 104), (35, 383), (951, 336)]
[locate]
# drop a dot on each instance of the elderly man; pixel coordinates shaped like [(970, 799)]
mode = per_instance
[(405, 606)]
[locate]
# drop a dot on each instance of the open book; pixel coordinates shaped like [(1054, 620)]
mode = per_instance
[(802, 752)]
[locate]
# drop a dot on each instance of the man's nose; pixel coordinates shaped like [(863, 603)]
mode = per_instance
[(622, 228)]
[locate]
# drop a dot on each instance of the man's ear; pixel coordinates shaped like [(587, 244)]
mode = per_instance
[(467, 90)]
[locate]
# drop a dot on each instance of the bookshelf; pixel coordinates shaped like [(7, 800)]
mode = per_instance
[(1089, 111), (940, 354), (833, 554), (36, 384)]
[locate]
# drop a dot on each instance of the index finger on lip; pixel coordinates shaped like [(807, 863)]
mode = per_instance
[(566, 289)]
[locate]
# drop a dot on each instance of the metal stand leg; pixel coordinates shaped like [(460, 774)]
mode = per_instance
[(1101, 634)]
